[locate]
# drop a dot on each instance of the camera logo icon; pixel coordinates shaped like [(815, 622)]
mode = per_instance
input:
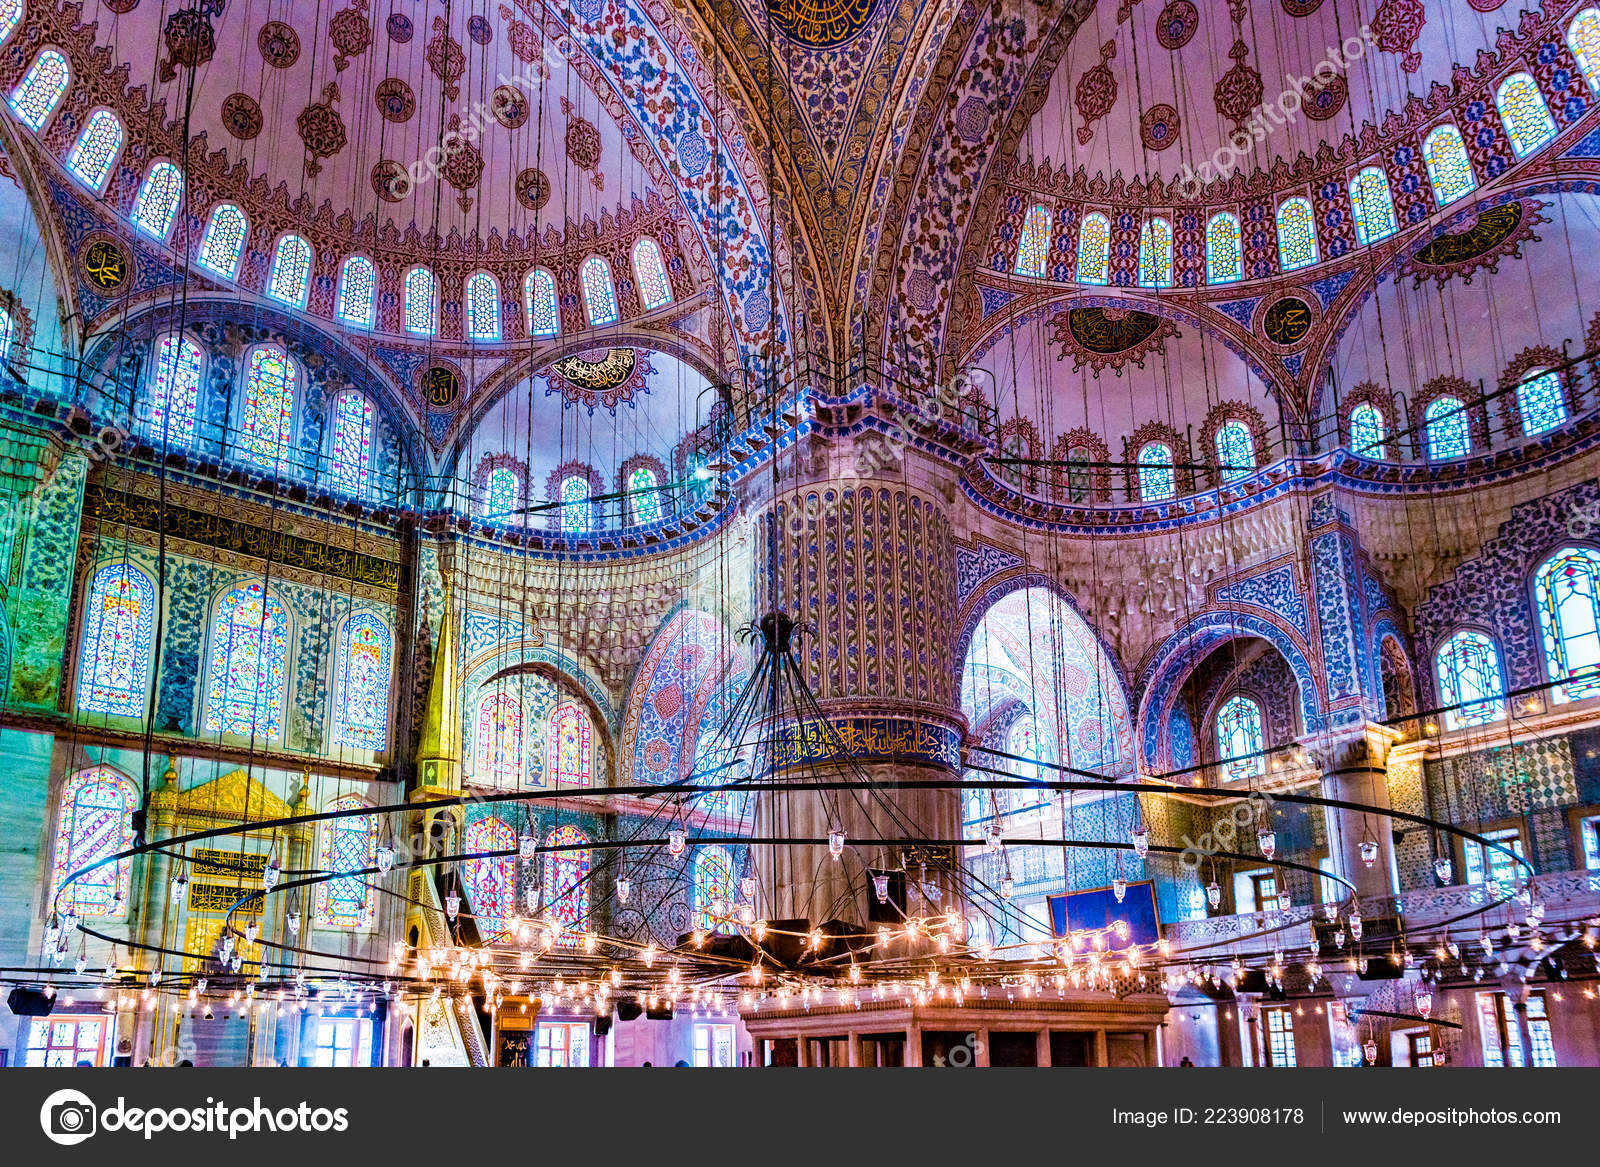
[(68, 1117)]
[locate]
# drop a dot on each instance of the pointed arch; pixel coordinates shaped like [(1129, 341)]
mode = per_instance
[(1467, 667), (1240, 739), (497, 753), (569, 751), (566, 881), (490, 880), (1566, 591)]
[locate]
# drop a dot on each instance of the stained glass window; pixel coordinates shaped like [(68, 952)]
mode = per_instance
[(422, 307), (1449, 170), (500, 492), (41, 88), (246, 674), (1445, 427), (498, 750), (362, 718), (1155, 254), (95, 821), (1522, 108), (269, 391), (1224, 257), (1540, 400), (358, 281), (1583, 38), (223, 241), (158, 200), (1469, 676), (539, 290), (644, 495), (175, 392), (291, 271), (1156, 482), (490, 880), (1366, 431), (7, 326), (1373, 205), (483, 307), (1094, 248), (566, 881), (1297, 234), (352, 442), (1236, 449), (10, 14), (96, 148), (655, 289), (599, 297), (569, 755), (1567, 588), (1078, 475), (1033, 249), (1239, 740), (574, 504), (349, 844), (118, 623), (715, 889)]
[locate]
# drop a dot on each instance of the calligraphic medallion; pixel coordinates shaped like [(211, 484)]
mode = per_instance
[(440, 386), (821, 24), (105, 263), (1287, 321)]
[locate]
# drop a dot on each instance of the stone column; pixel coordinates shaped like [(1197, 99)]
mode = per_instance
[(1354, 770)]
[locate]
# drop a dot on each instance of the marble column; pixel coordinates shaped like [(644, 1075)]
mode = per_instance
[(1354, 770)]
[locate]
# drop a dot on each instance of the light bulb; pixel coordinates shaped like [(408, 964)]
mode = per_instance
[(1267, 841), (1141, 842), (836, 843), (675, 841), (1441, 869), (623, 888)]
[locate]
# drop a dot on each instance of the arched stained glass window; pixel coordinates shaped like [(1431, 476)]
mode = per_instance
[(539, 290), (1367, 431), (10, 14), (158, 200), (1033, 249), (490, 880), (96, 149), (566, 881), (1239, 738), (118, 624), (1469, 676), (265, 420), (352, 442), (1079, 478), (1094, 248), (291, 271), (95, 822), (1526, 116), (358, 284), (1583, 38), (362, 718), (1156, 481), (1297, 234), (36, 96), (349, 844), (175, 392), (1541, 402), (498, 752), (569, 754), (1236, 449), (599, 296), (1155, 253), (575, 517), (644, 496), (500, 493), (715, 890), (483, 307), (246, 674), (1449, 169), (1224, 254), (422, 302), (1445, 428), (223, 242), (1373, 205), (1567, 591), (655, 289)]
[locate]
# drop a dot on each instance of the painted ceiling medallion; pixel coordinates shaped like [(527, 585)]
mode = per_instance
[(121, 7), (522, 38), (1239, 91), (603, 377), (279, 44), (1301, 7), (190, 42), (1486, 5), (351, 34), (1287, 321), (509, 106), (1395, 28), (1096, 93), (241, 116), (533, 188), (390, 182), (1109, 338), (1176, 25), (479, 30), (446, 59), (399, 28), (583, 144), (1497, 233), (464, 167), (394, 99), (1320, 102), (821, 24), (1158, 128), (321, 129)]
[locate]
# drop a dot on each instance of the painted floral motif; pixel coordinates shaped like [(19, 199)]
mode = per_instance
[(445, 58), (190, 41), (279, 44), (351, 34), (583, 144), (1238, 92), (1096, 93), (533, 188), (241, 116), (395, 100), (1395, 28), (1158, 127), (321, 129), (1176, 25)]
